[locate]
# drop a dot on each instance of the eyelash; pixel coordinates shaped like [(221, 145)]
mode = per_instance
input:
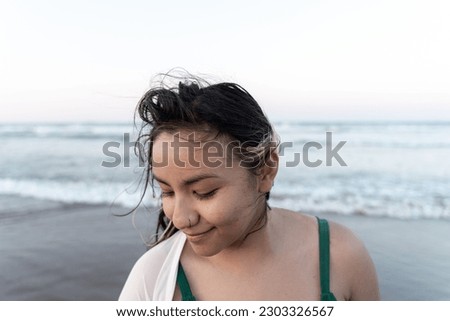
[(206, 196), (166, 194), (198, 196)]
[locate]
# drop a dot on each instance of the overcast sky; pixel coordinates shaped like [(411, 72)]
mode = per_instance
[(306, 60)]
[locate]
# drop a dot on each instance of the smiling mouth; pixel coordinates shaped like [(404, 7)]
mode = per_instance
[(199, 234)]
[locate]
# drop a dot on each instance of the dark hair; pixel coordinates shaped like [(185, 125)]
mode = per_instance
[(225, 108)]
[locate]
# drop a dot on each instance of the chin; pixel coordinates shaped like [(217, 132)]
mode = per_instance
[(205, 250)]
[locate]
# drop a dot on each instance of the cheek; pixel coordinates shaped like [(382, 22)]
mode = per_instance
[(167, 206), (219, 211), (228, 210)]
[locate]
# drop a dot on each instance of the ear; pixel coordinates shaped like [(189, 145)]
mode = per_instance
[(268, 173)]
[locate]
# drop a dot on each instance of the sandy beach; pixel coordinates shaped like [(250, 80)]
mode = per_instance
[(66, 252), (55, 251)]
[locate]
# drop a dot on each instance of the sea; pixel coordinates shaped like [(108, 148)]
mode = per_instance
[(377, 169)]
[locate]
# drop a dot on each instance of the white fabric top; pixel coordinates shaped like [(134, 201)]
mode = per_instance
[(154, 276)]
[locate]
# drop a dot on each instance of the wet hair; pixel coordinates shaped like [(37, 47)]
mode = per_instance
[(224, 108)]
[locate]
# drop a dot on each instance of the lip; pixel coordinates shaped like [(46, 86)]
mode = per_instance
[(198, 236)]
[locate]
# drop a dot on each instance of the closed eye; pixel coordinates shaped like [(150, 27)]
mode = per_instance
[(205, 195), (166, 194)]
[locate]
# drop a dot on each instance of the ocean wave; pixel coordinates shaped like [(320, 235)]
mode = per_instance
[(408, 136), (67, 131), (370, 199), (314, 200), (398, 210), (387, 178), (76, 192)]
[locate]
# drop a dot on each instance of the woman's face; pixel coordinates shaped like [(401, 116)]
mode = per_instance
[(207, 195)]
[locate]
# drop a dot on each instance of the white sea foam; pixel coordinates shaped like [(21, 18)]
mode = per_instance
[(398, 170), (76, 192)]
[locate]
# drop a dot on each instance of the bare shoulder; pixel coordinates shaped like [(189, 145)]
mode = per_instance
[(352, 272), (297, 224), (295, 218), (351, 265)]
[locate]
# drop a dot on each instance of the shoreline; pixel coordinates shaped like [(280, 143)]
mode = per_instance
[(55, 251)]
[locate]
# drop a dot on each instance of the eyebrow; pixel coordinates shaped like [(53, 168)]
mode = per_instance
[(190, 180)]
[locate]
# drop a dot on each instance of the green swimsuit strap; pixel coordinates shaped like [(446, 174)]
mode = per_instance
[(324, 253), (185, 289)]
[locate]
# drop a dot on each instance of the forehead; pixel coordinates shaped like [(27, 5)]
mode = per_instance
[(191, 149)]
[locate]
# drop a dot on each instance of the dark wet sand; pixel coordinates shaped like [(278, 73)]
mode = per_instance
[(83, 252), (79, 252)]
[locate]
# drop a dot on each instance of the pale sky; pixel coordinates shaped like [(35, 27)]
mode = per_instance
[(306, 60)]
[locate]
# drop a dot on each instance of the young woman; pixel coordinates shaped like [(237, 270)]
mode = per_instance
[(212, 152)]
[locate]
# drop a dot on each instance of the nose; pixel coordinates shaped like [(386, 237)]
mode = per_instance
[(184, 214)]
